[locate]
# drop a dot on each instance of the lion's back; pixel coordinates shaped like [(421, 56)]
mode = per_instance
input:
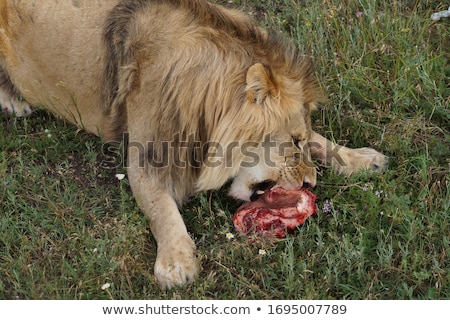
[(52, 53)]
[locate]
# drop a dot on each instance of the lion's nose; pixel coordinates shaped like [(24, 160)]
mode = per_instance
[(309, 180)]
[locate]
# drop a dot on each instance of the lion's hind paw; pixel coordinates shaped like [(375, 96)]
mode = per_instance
[(14, 106)]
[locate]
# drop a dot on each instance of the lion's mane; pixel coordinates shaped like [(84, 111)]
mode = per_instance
[(200, 92)]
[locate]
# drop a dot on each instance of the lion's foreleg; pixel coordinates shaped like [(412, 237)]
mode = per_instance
[(342, 159), (176, 263)]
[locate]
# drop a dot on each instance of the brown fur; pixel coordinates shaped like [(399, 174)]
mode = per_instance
[(186, 72)]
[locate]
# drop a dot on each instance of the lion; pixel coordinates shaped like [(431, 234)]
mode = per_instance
[(200, 94)]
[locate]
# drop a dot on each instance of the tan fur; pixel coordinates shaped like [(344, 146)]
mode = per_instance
[(185, 72)]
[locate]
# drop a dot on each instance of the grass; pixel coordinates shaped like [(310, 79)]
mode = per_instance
[(68, 225)]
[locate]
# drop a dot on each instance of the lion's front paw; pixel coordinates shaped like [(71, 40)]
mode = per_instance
[(176, 263), (359, 159)]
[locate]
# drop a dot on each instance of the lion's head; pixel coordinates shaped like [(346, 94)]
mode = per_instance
[(232, 100), (274, 127)]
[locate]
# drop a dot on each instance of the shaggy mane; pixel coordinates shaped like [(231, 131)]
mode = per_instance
[(270, 48)]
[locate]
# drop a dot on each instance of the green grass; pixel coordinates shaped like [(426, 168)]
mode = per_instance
[(68, 226)]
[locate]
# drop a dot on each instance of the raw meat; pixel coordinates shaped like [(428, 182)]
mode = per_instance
[(275, 212)]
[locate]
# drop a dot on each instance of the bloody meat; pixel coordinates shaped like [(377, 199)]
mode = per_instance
[(275, 212)]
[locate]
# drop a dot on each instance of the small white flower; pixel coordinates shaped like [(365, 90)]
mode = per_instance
[(95, 250), (262, 252), (230, 236), (379, 193), (48, 133), (106, 286), (120, 176)]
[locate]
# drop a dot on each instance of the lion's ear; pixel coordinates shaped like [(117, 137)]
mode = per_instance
[(259, 84)]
